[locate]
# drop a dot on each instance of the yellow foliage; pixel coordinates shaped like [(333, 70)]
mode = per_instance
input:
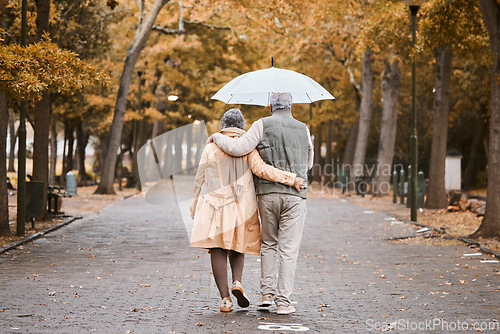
[(26, 71)]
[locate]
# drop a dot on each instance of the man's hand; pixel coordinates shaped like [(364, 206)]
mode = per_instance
[(299, 183), (210, 140)]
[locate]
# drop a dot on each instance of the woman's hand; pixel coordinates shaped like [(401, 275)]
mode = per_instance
[(192, 211), (299, 183)]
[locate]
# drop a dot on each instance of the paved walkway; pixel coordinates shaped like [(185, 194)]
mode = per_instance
[(129, 269)]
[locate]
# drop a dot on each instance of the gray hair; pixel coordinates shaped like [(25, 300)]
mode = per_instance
[(280, 101), (233, 118)]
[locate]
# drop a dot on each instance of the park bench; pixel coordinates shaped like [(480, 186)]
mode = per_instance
[(132, 179), (55, 193), (9, 184), (362, 185), (342, 180)]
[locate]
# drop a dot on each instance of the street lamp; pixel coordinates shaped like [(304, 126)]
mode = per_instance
[(414, 7), (140, 72)]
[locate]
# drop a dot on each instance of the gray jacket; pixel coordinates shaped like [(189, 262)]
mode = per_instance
[(280, 140)]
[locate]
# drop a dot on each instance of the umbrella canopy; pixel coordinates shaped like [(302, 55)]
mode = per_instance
[(256, 87)]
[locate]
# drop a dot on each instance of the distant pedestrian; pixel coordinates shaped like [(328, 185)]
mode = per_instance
[(285, 143), (224, 207)]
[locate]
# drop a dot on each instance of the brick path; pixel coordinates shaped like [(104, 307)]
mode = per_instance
[(129, 269)]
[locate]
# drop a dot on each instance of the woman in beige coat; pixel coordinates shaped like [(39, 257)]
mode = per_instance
[(224, 208)]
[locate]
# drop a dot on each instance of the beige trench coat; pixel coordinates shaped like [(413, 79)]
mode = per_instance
[(224, 203)]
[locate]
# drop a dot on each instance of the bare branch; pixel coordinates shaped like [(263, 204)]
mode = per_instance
[(170, 31), (181, 16), (142, 10), (207, 25), (167, 31), (355, 84)]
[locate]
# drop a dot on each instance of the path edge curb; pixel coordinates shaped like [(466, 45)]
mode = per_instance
[(441, 231), (38, 235)]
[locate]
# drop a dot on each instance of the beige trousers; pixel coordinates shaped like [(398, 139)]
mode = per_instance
[(282, 217)]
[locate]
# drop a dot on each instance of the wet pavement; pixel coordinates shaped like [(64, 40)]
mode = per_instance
[(129, 269)]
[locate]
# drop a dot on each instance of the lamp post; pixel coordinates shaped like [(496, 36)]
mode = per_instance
[(21, 152), (173, 97), (140, 71), (414, 7)]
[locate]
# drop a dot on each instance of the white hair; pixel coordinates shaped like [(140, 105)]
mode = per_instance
[(280, 101), (233, 118)]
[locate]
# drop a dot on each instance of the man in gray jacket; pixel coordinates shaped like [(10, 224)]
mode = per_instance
[(284, 143)]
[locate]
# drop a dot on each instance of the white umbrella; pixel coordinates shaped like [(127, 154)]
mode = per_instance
[(256, 87)]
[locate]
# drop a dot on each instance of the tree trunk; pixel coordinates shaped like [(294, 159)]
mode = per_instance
[(200, 143), (141, 36), (316, 170), (189, 145), (436, 193), (4, 199), (62, 180), (348, 156), (476, 149), (490, 226), (4, 119), (328, 168), (12, 144), (365, 114), (70, 161), (82, 139), (390, 94), (179, 140), (42, 112), (350, 146), (41, 143), (53, 151), (157, 128), (135, 148), (100, 154)]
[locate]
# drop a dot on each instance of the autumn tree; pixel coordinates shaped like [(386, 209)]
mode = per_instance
[(365, 113), (4, 120), (20, 67), (146, 22), (42, 111), (440, 34), (490, 226)]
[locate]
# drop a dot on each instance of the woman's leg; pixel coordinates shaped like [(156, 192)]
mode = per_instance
[(237, 260), (218, 257)]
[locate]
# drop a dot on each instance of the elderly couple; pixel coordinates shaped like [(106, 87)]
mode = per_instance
[(227, 197)]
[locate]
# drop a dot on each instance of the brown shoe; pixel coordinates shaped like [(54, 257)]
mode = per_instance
[(237, 291), (226, 305), (265, 300), (285, 309)]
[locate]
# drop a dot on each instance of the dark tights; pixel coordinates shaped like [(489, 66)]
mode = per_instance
[(218, 257)]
